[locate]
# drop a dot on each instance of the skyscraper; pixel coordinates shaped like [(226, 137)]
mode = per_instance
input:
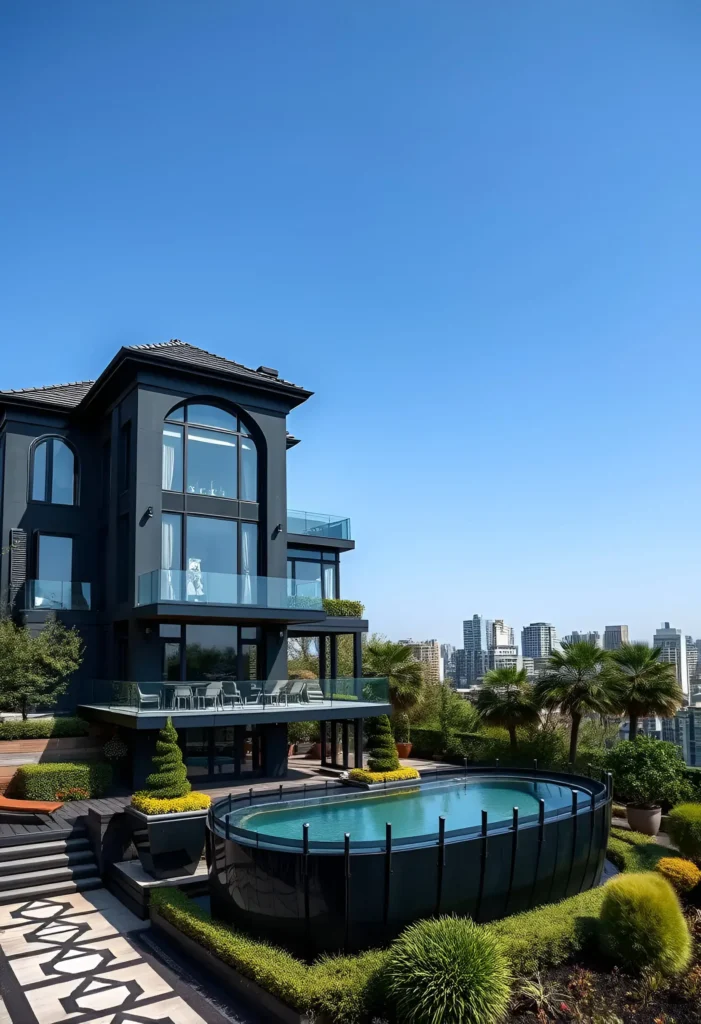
[(460, 668), (538, 640), (502, 652), (428, 652), (692, 658), (614, 637), (474, 633), (575, 637), (673, 649), (448, 656)]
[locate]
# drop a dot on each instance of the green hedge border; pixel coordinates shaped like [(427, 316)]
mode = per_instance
[(43, 728), (44, 781), (350, 989)]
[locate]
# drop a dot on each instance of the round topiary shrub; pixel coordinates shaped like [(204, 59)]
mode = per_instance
[(683, 874), (382, 753), (641, 925), (685, 829), (170, 778), (448, 970)]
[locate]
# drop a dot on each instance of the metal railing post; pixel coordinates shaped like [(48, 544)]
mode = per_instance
[(514, 849), (441, 862), (388, 871), (305, 870), (573, 850), (347, 907), (483, 865), (541, 840)]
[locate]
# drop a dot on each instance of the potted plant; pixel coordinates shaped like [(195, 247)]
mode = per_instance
[(646, 774), (402, 736), (172, 818)]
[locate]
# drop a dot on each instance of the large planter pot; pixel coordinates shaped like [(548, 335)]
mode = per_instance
[(172, 845), (644, 819), (403, 749)]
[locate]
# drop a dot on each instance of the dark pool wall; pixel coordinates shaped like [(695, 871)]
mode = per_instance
[(311, 906)]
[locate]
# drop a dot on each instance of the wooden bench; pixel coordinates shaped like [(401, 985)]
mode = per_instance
[(25, 807)]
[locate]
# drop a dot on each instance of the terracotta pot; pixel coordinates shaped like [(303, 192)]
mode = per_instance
[(403, 749), (644, 819)]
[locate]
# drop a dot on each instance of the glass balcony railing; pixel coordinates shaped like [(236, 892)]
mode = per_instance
[(317, 524), (57, 595), (233, 695), (189, 585)]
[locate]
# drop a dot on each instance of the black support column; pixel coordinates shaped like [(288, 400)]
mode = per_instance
[(334, 744), (333, 656), (322, 738), (357, 655), (358, 742), (345, 741)]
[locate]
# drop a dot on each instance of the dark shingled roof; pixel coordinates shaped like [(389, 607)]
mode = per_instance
[(68, 396)]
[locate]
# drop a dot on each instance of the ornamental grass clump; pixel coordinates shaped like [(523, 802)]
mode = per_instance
[(382, 753), (685, 829), (448, 970), (683, 874), (642, 927)]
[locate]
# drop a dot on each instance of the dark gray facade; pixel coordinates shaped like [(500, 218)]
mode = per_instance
[(136, 613)]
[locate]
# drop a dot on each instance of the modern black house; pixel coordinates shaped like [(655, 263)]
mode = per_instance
[(149, 509)]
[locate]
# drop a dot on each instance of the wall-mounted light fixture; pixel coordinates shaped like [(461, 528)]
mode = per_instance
[(277, 530), (149, 512)]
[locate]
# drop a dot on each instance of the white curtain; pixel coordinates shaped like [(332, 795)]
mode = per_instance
[(167, 554), (246, 557), (168, 462), (249, 470)]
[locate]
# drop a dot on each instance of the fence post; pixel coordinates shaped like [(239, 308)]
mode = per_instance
[(541, 840), (388, 869), (592, 815), (483, 865), (465, 760), (514, 849), (573, 850), (280, 797), (347, 859), (535, 765), (441, 862), (250, 795), (496, 763), (305, 871)]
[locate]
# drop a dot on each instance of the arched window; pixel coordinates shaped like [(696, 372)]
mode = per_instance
[(207, 450), (53, 472)]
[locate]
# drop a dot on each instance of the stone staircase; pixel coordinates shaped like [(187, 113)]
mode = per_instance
[(48, 866)]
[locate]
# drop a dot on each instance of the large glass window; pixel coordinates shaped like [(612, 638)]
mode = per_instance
[(311, 572), (207, 450), (219, 556), (211, 653), (54, 557), (53, 472)]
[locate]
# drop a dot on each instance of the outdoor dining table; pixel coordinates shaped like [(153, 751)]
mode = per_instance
[(193, 687)]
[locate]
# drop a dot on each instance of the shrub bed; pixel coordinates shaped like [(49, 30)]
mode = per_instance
[(146, 803), (683, 874), (362, 775), (346, 609), (43, 728), (45, 781)]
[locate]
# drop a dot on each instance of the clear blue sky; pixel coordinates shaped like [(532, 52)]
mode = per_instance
[(472, 228)]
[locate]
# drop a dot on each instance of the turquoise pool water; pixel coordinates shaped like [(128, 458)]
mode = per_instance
[(412, 812)]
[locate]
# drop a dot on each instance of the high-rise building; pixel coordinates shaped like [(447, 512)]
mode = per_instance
[(474, 633), (672, 644), (428, 652), (502, 652), (692, 658), (448, 656), (529, 665), (615, 637), (538, 640), (685, 730), (460, 668), (576, 637)]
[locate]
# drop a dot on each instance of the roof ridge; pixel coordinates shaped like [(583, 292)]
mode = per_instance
[(163, 344), (174, 342)]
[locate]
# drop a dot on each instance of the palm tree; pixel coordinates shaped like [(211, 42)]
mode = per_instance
[(644, 685), (575, 681), (507, 699), (395, 662)]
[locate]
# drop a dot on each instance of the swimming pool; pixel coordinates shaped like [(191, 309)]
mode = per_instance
[(346, 869), (413, 812)]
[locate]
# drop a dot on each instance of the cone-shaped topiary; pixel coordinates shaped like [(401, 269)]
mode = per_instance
[(448, 970), (641, 925), (170, 778), (382, 753)]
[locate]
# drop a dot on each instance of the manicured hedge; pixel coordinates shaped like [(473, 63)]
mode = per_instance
[(399, 775), (148, 804), (346, 988), (44, 781), (42, 728), (685, 829), (633, 851), (347, 609)]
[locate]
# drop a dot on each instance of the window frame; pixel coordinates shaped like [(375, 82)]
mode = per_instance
[(323, 562), (226, 519), (241, 432), (48, 439), (38, 534)]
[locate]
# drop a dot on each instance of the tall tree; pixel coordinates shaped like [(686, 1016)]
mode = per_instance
[(35, 668), (576, 682), (508, 700), (643, 684), (396, 663)]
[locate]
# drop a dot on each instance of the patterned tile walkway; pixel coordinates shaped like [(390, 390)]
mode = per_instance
[(66, 958)]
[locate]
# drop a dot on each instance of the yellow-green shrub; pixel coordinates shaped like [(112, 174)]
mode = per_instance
[(685, 829), (642, 927), (362, 775), (147, 804), (683, 874)]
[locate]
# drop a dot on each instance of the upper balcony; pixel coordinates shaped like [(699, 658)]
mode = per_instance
[(218, 596), (318, 526)]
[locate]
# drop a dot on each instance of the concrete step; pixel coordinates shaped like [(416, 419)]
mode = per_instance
[(37, 892), (51, 835), (42, 849), (38, 878), (40, 863)]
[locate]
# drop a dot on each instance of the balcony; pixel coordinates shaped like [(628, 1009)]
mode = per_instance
[(318, 524), (219, 701), (191, 588), (56, 595)]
